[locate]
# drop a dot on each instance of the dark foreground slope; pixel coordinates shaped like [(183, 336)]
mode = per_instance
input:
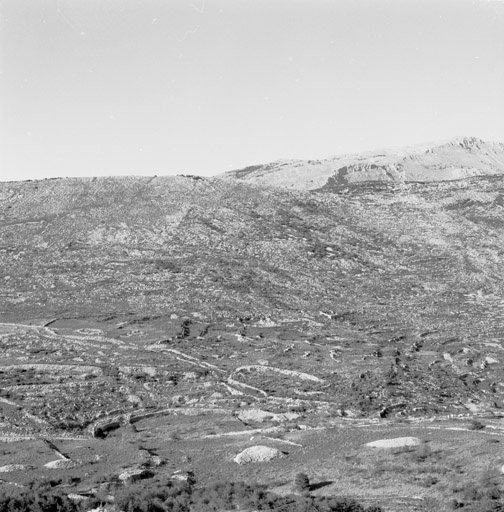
[(376, 286)]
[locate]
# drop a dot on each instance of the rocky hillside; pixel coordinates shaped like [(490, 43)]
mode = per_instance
[(371, 288), (452, 160)]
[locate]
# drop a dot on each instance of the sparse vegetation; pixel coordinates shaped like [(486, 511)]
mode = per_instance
[(179, 496), (43, 499)]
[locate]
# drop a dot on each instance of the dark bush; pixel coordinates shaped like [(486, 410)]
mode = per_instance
[(163, 496), (476, 425), (167, 265), (302, 482), (38, 501)]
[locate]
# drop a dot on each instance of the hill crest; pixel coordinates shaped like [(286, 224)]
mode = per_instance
[(453, 159)]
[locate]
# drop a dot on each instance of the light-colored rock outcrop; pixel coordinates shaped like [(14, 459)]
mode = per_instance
[(259, 416), (61, 464), (14, 467), (257, 454), (134, 474), (397, 442)]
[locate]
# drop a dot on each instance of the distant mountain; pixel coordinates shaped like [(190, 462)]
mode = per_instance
[(451, 160)]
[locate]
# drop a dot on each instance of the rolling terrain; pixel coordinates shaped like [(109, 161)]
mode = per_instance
[(149, 325)]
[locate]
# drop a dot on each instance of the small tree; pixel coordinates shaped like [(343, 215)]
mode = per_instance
[(302, 483), (476, 425)]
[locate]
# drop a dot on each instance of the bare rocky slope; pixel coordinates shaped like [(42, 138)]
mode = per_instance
[(387, 282), (451, 160)]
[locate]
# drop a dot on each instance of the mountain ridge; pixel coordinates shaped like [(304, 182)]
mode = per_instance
[(452, 159)]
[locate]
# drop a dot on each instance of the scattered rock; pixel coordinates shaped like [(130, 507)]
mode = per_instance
[(266, 322), (474, 408), (285, 416), (135, 474), (78, 497), (258, 454), (256, 415), (184, 476), (156, 461), (259, 416), (398, 442)]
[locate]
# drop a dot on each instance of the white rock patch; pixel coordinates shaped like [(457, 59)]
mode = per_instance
[(257, 454), (14, 467), (398, 442), (258, 415)]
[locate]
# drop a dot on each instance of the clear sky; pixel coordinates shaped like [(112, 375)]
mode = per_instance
[(144, 87)]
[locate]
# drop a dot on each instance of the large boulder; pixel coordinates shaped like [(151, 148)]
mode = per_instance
[(61, 464), (260, 416), (397, 442), (257, 454), (134, 474), (183, 476)]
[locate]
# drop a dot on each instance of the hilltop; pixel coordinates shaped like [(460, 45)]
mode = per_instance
[(450, 160)]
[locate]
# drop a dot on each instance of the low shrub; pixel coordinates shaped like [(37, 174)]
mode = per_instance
[(179, 496), (38, 501)]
